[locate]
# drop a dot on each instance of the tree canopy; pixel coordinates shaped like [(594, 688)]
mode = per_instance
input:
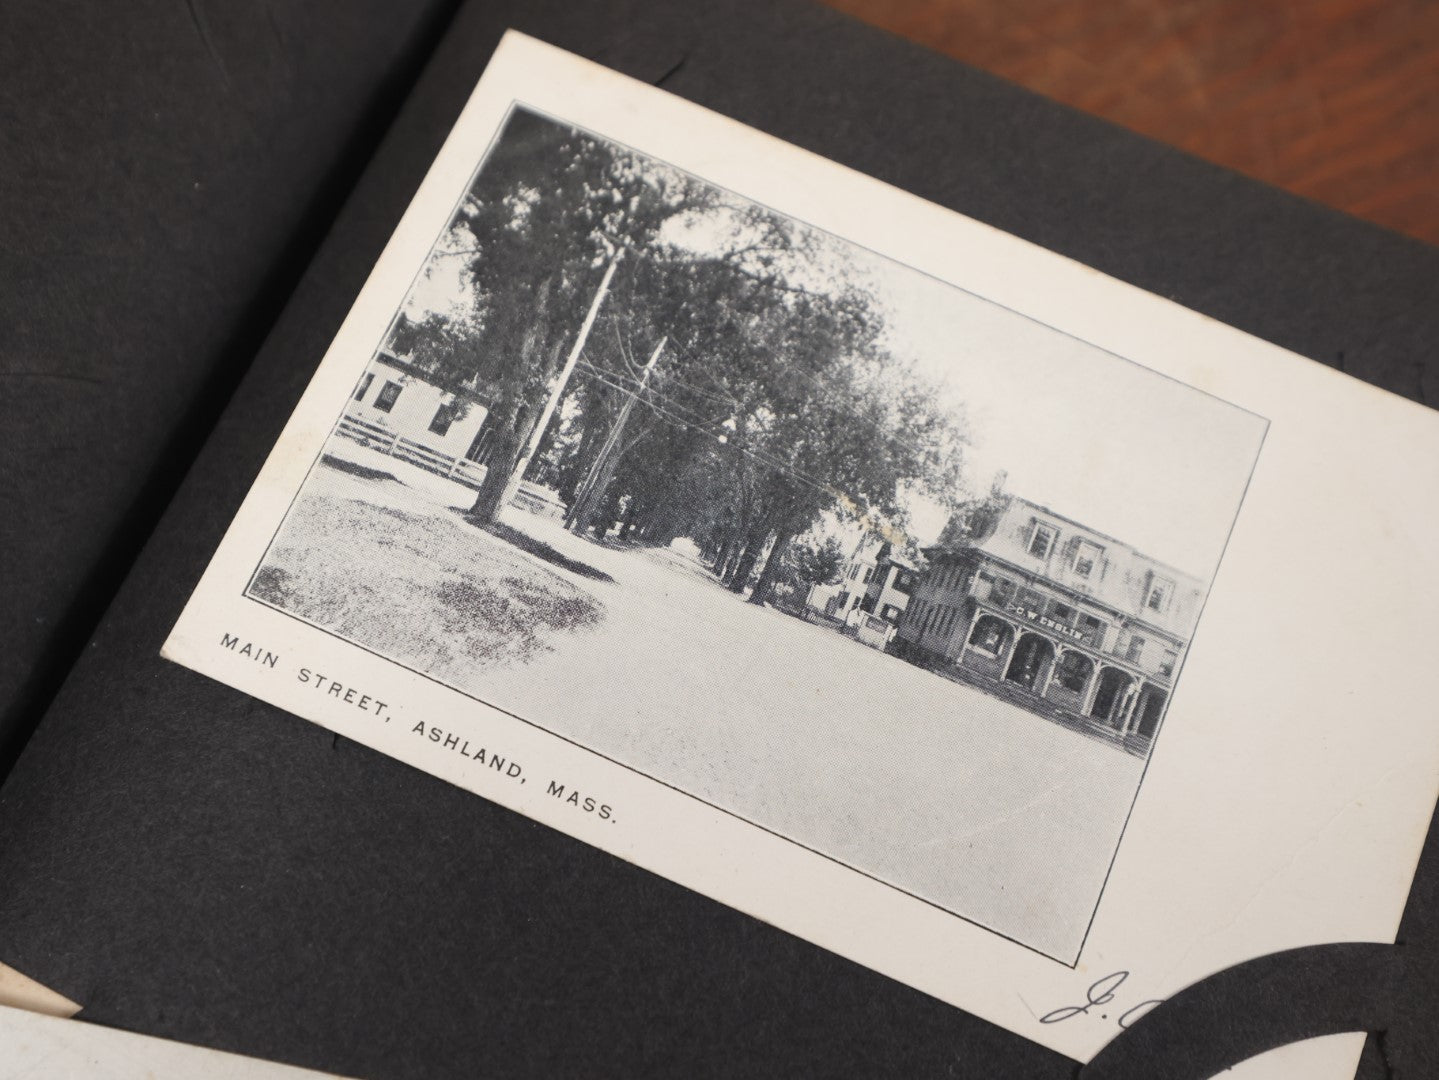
[(773, 399)]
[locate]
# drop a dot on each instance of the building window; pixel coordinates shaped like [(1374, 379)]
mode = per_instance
[(1061, 613), (1002, 592), (891, 613), (903, 581), (1086, 558), (1134, 650), (868, 574), (444, 417), (1160, 592), (364, 387), (1042, 541), (1031, 600), (1166, 666), (1073, 671), (388, 395), (1093, 629), (989, 636)]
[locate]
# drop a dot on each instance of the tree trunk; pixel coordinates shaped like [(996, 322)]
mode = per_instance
[(734, 558), (726, 571), (740, 537), (771, 565), (631, 519), (586, 510), (511, 439), (504, 457), (744, 566), (721, 559), (609, 511)]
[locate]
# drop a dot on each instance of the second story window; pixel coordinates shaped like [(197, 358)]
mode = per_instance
[(1086, 558), (1002, 592), (364, 387), (903, 580), (1166, 666), (1134, 650), (1041, 542), (1161, 590), (388, 395)]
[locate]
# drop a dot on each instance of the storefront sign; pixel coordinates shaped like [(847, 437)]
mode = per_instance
[(1047, 622)]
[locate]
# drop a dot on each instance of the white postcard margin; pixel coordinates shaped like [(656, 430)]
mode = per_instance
[(1291, 788)]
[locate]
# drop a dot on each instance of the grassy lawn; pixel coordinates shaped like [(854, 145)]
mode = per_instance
[(369, 561)]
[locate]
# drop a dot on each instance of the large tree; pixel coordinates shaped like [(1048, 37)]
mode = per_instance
[(773, 402), (549, 210)]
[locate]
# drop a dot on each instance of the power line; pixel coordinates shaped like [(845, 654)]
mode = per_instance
[(604, 376), (748, 451)]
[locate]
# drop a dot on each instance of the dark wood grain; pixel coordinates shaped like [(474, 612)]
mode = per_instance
[(1334, 100)]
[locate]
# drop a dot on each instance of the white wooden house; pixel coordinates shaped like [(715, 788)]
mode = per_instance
[(396, 410)]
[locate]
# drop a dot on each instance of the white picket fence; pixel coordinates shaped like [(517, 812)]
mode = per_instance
[(461, 470)]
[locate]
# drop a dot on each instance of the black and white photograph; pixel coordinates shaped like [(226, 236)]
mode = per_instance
[(868, 561), (654, 506)]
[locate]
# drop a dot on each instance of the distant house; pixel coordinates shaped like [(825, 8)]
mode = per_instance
[(396, 410), (1052, 611), (874, 589), (890, 586), (843, 599)]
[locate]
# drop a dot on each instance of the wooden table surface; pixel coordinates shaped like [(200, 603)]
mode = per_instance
[(1335, 100)]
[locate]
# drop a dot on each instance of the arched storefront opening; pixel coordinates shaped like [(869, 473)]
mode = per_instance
[(1073, 671), (1147, 711), (1033, 656), (1111, 696), (990, 636)]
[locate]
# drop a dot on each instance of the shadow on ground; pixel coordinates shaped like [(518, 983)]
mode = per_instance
[(540, 550), (363, 471)]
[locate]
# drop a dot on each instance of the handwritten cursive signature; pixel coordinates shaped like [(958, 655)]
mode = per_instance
[(1102, 992)]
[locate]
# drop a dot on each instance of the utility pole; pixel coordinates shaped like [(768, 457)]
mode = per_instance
[(538, 433), (603, 470)]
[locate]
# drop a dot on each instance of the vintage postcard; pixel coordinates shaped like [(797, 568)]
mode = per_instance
[(937, 599)]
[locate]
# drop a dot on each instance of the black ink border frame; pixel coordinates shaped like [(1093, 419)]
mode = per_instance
[(1174, 688)]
